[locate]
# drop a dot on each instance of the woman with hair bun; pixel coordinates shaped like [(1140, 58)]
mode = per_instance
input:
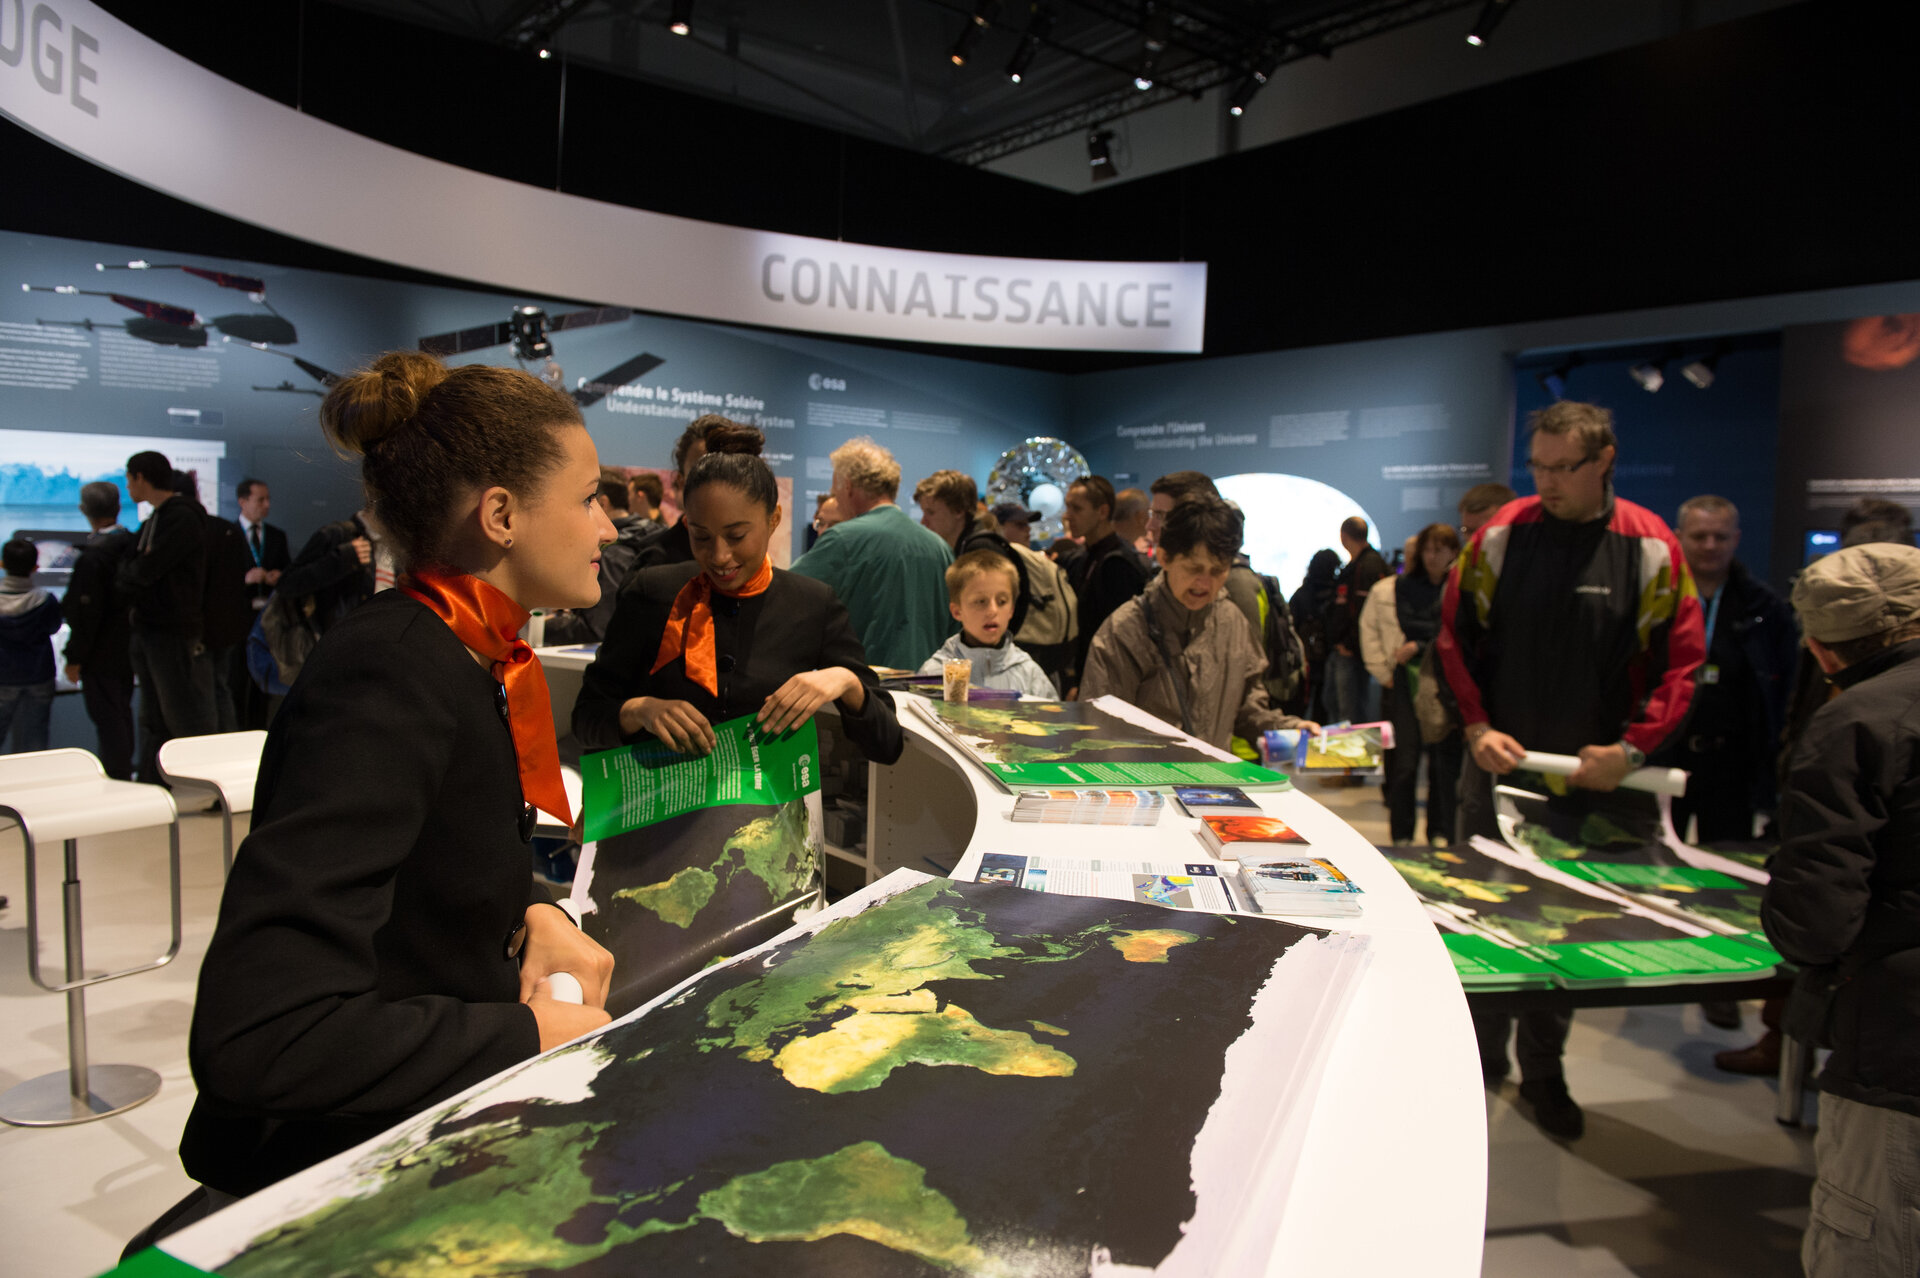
[(381, 944), (692, 645)]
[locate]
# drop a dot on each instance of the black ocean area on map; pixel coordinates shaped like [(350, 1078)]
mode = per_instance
[(1085, 1140), (673, 896)]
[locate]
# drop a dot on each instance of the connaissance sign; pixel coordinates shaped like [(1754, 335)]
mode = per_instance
[(87, 82)]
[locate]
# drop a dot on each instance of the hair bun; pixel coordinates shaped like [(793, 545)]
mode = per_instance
[(364, 408), (736, 437)]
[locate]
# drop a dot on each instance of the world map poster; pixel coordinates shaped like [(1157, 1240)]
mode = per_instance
[(931, 1077), (1043, 744)]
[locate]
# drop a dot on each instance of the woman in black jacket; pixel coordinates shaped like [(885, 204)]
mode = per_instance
[(381, 944), (691, 645)]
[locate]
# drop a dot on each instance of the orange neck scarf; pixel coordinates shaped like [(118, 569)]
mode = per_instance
[(485, 619), (689, 631)]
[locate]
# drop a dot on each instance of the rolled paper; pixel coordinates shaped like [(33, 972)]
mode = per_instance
[(1667, 781)]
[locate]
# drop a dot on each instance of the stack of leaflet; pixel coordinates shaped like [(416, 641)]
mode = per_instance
[(1177, 885), (1237, 837), (1089, 807), (1309, 886), (1619, 901)]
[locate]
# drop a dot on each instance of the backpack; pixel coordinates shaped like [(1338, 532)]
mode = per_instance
[(1286, 654), (1053, 610)]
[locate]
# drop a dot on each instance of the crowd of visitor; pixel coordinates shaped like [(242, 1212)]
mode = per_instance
[(1572, 621)]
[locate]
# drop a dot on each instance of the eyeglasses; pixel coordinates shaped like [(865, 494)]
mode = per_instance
[(1567, 468)]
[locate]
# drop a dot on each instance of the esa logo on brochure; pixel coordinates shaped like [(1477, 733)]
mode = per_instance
[(816, 382)]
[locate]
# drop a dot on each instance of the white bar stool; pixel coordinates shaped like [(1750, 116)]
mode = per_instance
[(225, 763), (65, 795)]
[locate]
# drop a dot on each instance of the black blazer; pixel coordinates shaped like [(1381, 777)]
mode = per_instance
[(274, 554), (358, 972), (796, 624)]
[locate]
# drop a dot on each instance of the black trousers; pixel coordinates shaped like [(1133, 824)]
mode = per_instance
[(109, 702), (1543, 1034), (1403, 769), (176, 693)]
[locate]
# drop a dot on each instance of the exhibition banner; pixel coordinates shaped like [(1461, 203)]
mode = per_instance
[(87, 82)]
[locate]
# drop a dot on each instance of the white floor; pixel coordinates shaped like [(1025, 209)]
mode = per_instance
[(1682, 1171)]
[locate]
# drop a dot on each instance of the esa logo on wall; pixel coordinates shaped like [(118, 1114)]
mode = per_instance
[(816, 382)]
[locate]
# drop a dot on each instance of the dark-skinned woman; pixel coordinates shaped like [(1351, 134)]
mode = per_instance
[(693, 645)]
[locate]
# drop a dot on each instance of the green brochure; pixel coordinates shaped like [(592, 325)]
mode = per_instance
[(646, 783)]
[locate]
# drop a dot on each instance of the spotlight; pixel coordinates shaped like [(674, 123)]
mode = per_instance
[(1143, 82), (682, 21), (545, 54), (1157, 31), (1700, 371), (529, 328), (963, 47), (1256, 80), (1099, 154), (1490, 15), (1029, 46), (1649, 375)]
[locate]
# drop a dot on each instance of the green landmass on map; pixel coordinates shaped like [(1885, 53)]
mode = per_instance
[(867, 1007), (1058, 732), (774, 849)]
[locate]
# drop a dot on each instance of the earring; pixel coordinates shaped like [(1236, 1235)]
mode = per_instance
[(509, 541)]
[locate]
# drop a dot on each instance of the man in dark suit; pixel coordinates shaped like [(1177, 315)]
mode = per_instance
[(164, 579), (268, 557), (98, 632)]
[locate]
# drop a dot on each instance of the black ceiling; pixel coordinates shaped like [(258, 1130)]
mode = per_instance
[(884, 69), (1761, 156)]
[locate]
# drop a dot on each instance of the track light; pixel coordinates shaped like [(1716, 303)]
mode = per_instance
[(1700, 371), (1256, 80), (1099, 154), (963, 47), (1143, 82), (545, 54), (1650, 376), (682, 21), (1490, 15), (1023, 54), (1157, 30)]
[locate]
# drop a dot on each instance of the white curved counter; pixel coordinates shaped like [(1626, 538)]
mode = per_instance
[(1392, 1178)]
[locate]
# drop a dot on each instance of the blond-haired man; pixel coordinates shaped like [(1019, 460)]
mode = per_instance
[(888, 570)]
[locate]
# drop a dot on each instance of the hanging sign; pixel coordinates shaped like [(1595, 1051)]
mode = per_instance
[(87, 82)]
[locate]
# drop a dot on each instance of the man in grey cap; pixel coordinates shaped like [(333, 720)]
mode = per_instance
[(1844, 904)]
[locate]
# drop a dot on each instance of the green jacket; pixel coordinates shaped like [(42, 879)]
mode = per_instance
[(892, 576)]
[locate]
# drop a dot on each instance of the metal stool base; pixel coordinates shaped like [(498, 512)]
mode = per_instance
[(48, 1101)]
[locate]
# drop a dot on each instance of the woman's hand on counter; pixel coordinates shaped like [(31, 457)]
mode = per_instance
[(676, 723), (795, 701)]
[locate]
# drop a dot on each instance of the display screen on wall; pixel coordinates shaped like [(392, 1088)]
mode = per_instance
[(220, 364), (44, 470), (1849, 427)]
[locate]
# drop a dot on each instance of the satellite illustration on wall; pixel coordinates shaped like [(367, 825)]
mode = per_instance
[(956, 1078)]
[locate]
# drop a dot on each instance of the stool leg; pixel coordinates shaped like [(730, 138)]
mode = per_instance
[(226, 836), (84, 1092), (1795, 1057), (76, 971)]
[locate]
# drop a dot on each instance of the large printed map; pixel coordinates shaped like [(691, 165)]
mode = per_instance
[(962, 1078)]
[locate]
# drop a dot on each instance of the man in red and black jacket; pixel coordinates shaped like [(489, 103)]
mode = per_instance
[(1569, 626)]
